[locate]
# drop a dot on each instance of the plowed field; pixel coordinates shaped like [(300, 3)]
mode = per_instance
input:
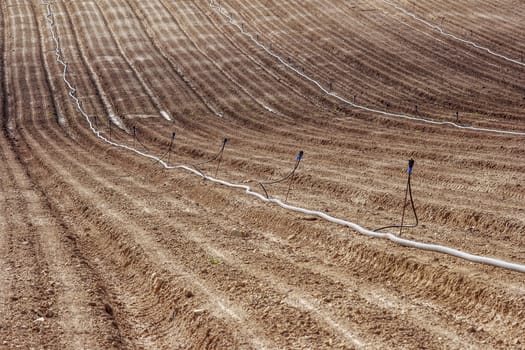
[(104, 246)]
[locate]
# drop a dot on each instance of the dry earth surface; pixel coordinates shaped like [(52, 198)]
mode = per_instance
[(102, 248)]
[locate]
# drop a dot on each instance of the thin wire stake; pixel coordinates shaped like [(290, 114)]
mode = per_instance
[(218, 165), (408, 193), (169, 148), (404, 207), (220, 156), (109, 129), (167, 153), (298, 159), (289, 187), (134, 135)]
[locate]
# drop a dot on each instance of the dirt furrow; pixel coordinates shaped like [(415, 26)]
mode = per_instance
[(30, 287), (141, 205), (497, 224), (478, 25), (92, 175), (44, 278), (162, 110), (112, 111), (148, 12), (123, 254), (406, 76), (132, 243)]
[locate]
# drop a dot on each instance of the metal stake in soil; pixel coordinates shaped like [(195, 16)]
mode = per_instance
[(134, 136), (408, 192), (171, 145), (220, 156), (298, 160), (409, 171)]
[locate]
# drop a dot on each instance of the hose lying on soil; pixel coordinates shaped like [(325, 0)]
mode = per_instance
[(248, 190)]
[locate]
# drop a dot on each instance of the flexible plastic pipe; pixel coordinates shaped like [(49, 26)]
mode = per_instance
[(348, 102), (248, 190), (442, 31)]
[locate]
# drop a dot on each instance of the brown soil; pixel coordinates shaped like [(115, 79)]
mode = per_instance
[(102, 248)]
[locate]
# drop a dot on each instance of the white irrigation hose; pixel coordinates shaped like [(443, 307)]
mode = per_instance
[(247, 189), (223, 12), (442, 31)]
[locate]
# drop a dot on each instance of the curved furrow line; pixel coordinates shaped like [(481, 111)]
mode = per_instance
[(500, 87), (325, 216), (303, 50), (91, 175), (375, 111), (254, 75), (373, 95), (253, 80), (293, 104), (154, 39), (458, 38), (190, 102), (497, 84), (136, 207), (301, 107), (133, 237), (235, 104), (94, 77), (492, 70), (56, 280), (219, 67), (439, 91), (408, 73), (112, 27), (100, 76), (489, 60), (310, 26), (155, 13)]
